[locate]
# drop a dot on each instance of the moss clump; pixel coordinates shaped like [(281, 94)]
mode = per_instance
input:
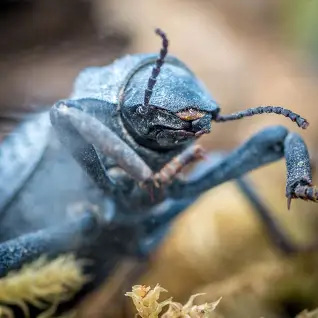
[(44, 284), (146, 301)]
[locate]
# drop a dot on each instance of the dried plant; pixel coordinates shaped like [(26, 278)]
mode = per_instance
[(146, 301), (43, 284), (189, 310)]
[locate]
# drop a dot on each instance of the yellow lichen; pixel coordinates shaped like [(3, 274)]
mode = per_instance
[(146, 301), (43, 284)]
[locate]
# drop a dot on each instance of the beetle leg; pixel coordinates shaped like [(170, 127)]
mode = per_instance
[(83, 134), (88, 237), (299, 178), (263, 148), (83, 152), (94, 132), (274, 229), (167, 174), (269, 145), (51, 241)]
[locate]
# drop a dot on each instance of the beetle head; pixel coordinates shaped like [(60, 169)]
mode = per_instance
[(177, 111), (165, 129)]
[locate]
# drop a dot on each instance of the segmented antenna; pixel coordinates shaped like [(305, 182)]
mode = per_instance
[(156, 69), (300, 121)]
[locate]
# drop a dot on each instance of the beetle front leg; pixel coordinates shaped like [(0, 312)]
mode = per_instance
[(267, 146), (232, 167), (275, 231), (94, 132), (78, 131)]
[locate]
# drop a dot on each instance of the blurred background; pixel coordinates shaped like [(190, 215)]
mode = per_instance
[(248, 53)]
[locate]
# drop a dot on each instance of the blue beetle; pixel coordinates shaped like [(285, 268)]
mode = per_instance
[(131, 127), (153, 119)]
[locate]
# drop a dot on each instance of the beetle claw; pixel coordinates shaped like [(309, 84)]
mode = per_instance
[(289, 200)]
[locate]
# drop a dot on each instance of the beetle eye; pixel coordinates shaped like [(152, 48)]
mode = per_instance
[(191, 114)]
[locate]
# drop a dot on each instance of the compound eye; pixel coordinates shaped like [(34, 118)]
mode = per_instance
[(191, 114)]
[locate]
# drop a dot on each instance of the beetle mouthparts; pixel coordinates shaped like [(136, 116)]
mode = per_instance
[(191, 114)]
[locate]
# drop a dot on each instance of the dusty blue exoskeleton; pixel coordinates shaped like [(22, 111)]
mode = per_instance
[(131, 127)]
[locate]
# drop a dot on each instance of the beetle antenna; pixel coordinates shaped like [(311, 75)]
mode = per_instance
[(300, 121), (156, 69)]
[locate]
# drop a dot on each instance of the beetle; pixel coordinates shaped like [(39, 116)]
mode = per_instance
[(131, 127)]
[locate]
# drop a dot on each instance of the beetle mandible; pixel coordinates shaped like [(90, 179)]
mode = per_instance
[(132, 126)]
